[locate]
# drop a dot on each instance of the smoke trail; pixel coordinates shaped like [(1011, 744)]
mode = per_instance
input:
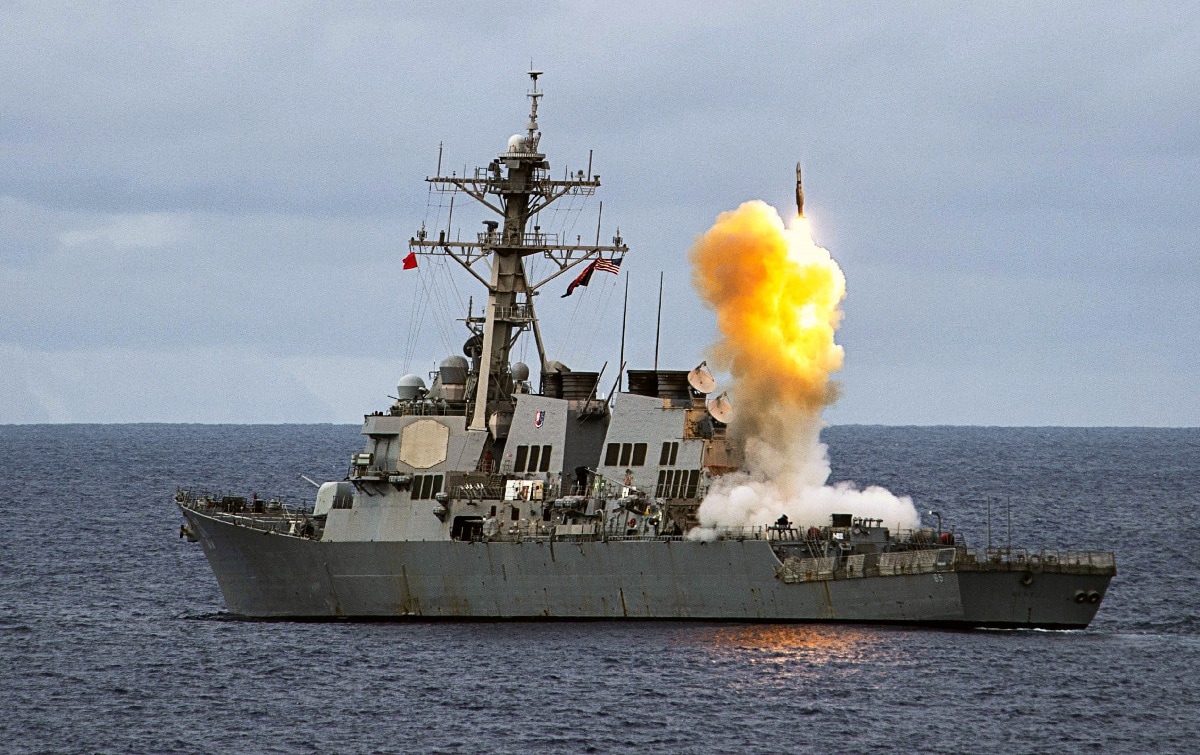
[(776, 295)]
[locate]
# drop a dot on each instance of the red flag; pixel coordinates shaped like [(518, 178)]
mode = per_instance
[(584, 278), (410, 261)]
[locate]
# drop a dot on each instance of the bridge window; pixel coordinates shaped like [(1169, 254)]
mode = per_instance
[(612, 454), (532, 459), (639, 454), (625, 455), (669, 455)]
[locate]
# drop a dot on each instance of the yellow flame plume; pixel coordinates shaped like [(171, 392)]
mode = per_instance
[(776, 295)]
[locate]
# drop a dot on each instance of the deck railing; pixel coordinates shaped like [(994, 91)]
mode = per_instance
[(275, 516), (1046, 559)]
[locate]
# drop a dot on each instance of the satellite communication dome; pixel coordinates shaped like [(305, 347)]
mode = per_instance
[(409, 387), (516, 143), (520, 371)]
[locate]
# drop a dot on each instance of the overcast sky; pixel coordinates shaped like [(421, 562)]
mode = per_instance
[(203, 206)]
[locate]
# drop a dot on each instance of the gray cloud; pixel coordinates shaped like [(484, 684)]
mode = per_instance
[(1007, 188)]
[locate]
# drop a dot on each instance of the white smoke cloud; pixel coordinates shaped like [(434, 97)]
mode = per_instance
[(789, 475)]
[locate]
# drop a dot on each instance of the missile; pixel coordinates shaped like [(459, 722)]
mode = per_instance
[(799, 193)]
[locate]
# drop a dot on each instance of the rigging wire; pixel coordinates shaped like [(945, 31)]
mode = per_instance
[(441, 272), (587, 313), (598, 310), (420, 305)]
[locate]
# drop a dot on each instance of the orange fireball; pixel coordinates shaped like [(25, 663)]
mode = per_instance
[(776, 295)]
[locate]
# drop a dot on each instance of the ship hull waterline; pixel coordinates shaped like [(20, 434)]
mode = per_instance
[(265, 575)]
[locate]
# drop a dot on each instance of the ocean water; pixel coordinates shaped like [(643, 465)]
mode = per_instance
[(112, 636)]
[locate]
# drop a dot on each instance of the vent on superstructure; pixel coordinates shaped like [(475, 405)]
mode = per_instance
[(643, 382), (579, 386), (673, 384), (552, 384)]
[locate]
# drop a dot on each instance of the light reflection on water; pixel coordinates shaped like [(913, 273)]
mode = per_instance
[(797, 644)]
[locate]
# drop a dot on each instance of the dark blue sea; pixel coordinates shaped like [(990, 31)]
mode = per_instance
[(113, 637)]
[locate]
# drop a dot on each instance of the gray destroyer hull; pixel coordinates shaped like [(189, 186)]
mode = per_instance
[(272, 575)]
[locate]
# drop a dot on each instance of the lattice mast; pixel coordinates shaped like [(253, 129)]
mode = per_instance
[(516, 185)]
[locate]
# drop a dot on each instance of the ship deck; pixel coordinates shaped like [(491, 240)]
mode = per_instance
[(922, 558)]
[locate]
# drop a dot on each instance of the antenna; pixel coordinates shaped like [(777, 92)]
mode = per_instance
[(534, 96), (701, 379), (617, 384), (595, 388), (720, 408), (624, 319), (658, 329)]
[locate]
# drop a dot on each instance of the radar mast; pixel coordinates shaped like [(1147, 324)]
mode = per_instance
[(516, 185)]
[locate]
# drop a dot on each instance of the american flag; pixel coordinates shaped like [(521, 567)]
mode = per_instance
[(610, 266)]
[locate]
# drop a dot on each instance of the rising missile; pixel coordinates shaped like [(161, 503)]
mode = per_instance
[(799, 193)]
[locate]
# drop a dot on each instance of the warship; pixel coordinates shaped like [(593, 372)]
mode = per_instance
[(478, 497)]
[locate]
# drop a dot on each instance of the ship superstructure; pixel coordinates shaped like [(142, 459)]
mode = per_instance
[(478, 496)]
